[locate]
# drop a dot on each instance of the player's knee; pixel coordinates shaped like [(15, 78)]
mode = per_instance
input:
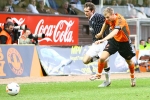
[(85, 61), (102, 59), (129, 62)]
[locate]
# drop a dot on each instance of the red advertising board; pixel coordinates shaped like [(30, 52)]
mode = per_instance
[(58, 30)]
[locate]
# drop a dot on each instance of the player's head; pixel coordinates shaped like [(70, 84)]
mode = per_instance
[(89, 9), (109, 14)]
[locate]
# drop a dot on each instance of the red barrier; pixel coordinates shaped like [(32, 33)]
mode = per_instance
[(58, 30)]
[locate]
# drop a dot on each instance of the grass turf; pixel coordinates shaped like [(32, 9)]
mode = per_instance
[(88, 90)]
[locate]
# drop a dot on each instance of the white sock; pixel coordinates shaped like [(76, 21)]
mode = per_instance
[(107, 76)]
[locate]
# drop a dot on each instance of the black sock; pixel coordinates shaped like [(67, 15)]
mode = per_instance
[(94, 58), (107, 69)]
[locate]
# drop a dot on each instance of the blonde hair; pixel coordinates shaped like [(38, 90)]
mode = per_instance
[(108, 10)]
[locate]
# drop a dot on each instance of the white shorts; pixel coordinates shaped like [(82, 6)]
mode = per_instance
[(96, 49)]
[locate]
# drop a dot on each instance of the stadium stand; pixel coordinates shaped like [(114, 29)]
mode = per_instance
[(18, 8)]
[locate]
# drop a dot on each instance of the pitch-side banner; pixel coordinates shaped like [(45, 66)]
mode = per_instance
[(58, 30), (19, 61), (68, 61)]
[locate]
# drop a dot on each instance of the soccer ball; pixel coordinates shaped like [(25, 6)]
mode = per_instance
[(12, 88)]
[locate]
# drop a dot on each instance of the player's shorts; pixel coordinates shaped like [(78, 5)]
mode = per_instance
[(96, 49), (124, 48)]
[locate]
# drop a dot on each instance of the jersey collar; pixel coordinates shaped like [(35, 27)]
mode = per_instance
[(92, 16)]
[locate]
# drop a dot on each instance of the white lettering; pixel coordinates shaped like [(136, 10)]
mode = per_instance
[(1, 24), (66, 35), (19, 22), (56, 33)]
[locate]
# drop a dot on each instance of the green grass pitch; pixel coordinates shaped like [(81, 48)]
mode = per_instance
[(88, 90)]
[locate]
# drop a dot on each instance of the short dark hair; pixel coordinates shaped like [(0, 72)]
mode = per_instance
[(9, 24), (142, 40), (90, 5), (148, 39)]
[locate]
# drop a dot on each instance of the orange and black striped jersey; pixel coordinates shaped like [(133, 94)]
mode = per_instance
[(123, 34)]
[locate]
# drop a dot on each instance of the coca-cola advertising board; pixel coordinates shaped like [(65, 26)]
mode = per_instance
[(58, 30)]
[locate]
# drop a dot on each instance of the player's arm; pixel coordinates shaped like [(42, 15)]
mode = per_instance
[(109, 36), (99, 35), (119, 25)]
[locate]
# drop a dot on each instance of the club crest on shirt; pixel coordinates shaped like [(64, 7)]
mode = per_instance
[(92, 22), (91, 29)]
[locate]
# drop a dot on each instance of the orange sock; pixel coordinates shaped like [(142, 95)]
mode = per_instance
[(131, 67), (100, 66)]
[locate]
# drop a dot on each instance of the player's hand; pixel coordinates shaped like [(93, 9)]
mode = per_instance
[(99, 41)]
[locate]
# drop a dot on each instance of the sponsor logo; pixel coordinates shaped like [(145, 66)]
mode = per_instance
[(56, 33), (2, 63), (19, 22), (15, 61)]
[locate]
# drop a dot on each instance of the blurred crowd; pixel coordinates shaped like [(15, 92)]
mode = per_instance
[(144, 45), (131, 8), (70, 7), (128, 8)]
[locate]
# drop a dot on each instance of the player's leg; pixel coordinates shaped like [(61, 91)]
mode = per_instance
[(107, 72), (106, 68), (127, 53), (87, 58), (110, 49), (101, 64), (131, 68), (135, 60), (92, 54), (99, 49), (107, 82)]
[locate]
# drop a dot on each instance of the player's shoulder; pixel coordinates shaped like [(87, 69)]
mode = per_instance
[(98, 17), (119, 16), (98, 14)]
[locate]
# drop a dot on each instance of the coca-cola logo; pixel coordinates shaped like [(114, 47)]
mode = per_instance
[(15, 20), (19, 22), (60, 31), (56, 33), (1, 24)]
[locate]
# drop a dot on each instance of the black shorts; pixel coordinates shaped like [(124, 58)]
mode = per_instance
[(124, 48)]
